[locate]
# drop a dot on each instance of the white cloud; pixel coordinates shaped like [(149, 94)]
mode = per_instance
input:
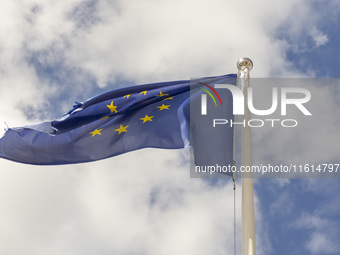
[(143, 41), (313, 136), (135, 201), (282, 205), (281, 182), (318, 37), (117, 205), (321, 244), (309, 221), (322, 237)]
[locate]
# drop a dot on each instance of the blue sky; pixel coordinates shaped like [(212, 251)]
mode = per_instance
[(54, 53)]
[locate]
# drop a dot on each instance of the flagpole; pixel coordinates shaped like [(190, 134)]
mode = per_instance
[(244, 66)]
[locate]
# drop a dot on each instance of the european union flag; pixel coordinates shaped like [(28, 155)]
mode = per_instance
[(115, 122)]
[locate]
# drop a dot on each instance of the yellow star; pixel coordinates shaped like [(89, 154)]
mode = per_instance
[(163, 106), (112, 107), (121, 129), (96, 132), (106, 117), (127, 96), (161, 94), (146, 118), (143, 92), (168, 98)]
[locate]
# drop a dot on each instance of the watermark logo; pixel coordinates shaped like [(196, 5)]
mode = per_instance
[(238, 100), (280, 98), (204, 97)]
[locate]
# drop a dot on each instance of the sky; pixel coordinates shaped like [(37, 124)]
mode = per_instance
[(53, 53)]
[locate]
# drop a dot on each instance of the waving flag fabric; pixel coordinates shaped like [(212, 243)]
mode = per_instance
[(115, 122)]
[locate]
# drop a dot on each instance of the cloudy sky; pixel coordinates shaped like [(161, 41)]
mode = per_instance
[(53, 53)]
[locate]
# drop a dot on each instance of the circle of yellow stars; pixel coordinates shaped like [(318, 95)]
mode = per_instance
[(146, 118)]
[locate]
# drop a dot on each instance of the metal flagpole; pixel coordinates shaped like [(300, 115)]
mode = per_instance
[(244, 66)]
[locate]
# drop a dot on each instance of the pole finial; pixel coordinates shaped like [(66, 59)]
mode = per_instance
[(245, 63)]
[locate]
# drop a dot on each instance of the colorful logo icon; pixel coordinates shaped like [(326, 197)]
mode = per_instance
[(209, 93)]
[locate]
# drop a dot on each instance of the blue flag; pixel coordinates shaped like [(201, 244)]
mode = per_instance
[(153, 115)]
